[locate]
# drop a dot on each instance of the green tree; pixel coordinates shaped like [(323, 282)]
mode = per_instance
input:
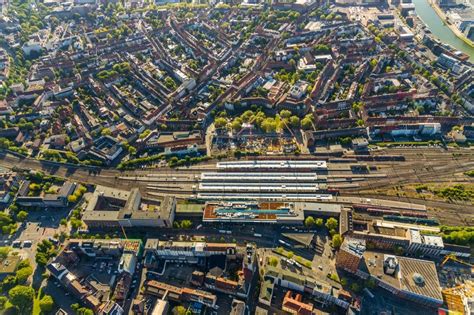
[(269, 125), (72, 198), (309, 221), (220, 122), (370, 283), (331, 224), (170, 84), (273, 261), (24, 263), (336, 241), (319, 222), (75, 307), (84, 311), (285, 113), (144, 134), (22, 215), (46, 303), (247, 116), (373, 63), (9, 282), (343, 281), (76, 223), (23, 274), (179, 310), (132, 150), (236, 124), (294, 121), (306, 123), (399, 250), (186, 224), (22, 297), (3, 301), (355, 287), (106, 132), (4, 251), (44, 252), (41, 259)]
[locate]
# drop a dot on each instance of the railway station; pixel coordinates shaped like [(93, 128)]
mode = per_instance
[(253, 212), (265, 180), (310, 165), (262, 177)]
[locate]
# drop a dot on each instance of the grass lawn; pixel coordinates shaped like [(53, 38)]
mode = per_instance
[(36, 306)]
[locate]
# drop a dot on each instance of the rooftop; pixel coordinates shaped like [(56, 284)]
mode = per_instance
[(412, 275)]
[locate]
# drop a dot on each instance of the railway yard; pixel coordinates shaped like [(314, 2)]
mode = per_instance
[(396, 199), (384, 174)]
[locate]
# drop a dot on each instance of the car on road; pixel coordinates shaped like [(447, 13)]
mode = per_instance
[(53, 240), (16, 244), (27, 244)]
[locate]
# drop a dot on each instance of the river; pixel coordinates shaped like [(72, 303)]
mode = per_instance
[(439, 29)]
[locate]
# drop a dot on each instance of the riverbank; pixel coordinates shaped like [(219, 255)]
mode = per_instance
[(451, 26)]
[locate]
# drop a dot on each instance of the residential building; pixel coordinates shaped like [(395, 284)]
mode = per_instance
[(292, 303), (45, 199), (173, 293), (316, 289), (9, 182), (185, 252)]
